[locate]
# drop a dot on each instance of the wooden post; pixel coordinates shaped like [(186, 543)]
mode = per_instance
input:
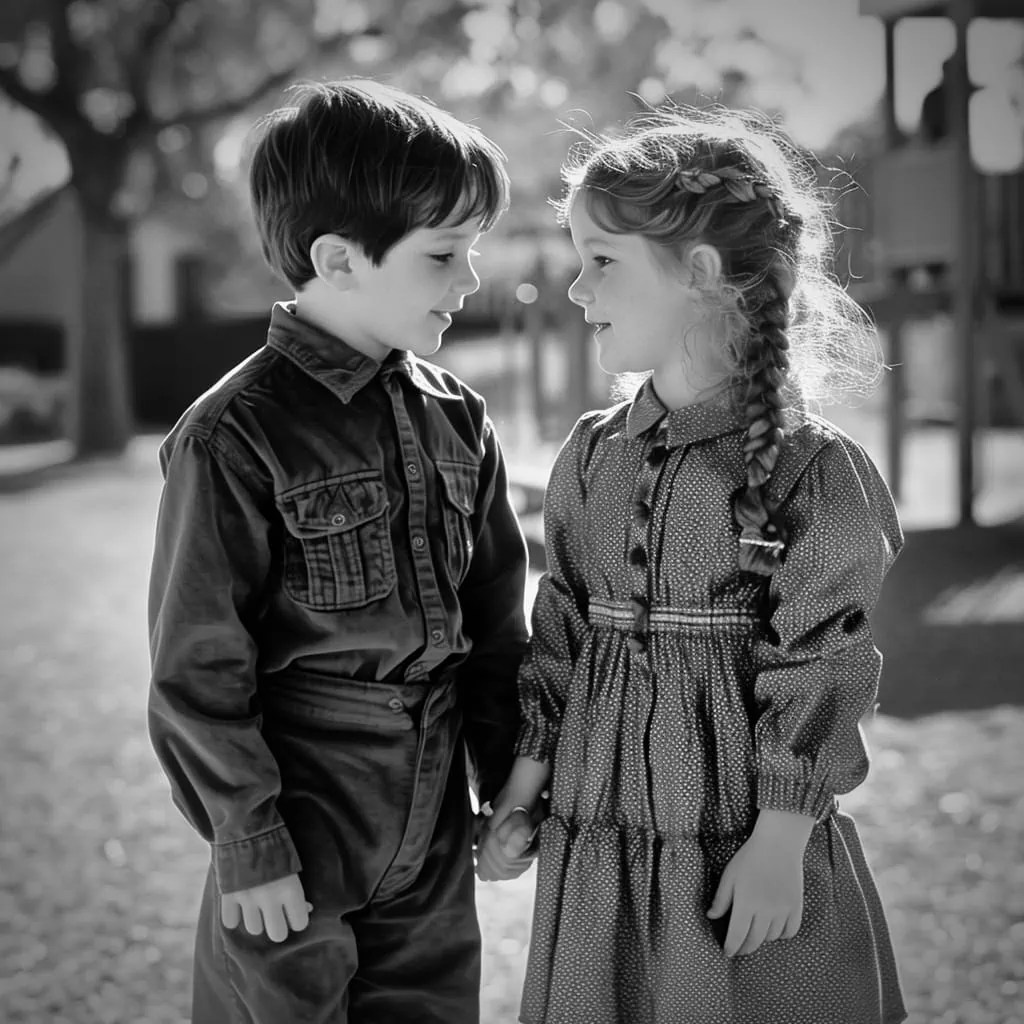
[(892, 132), (896, 421), (963, 298)]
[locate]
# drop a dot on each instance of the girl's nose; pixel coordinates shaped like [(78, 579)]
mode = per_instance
[(579, 293)]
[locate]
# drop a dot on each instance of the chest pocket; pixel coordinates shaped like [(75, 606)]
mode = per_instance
[(458, 488), (337, 549)]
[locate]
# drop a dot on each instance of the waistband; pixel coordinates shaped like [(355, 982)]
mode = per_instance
[(622, 615), (356, 701)]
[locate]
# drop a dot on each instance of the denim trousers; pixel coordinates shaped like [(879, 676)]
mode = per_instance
[(374, 794)]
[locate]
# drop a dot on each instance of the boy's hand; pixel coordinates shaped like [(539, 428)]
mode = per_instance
[(764, 885), (273, 908), (502, 853)]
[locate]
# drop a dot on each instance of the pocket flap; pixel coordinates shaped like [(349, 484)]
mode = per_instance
[(333, 506), (460, 481)]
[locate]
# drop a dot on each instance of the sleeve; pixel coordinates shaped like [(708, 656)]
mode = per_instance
[(559, 611), (494, 619), (210, 564), (818, 668)]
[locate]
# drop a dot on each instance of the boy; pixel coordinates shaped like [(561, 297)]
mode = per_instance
[(337, 588)]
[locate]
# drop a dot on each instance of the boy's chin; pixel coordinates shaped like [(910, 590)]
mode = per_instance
[(426, 346)]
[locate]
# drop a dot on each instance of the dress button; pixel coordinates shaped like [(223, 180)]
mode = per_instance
[(418, 542), (638, 557), (437, 635), (396, 705), (656, 456), (642, 510), (636, 644), (638, 606), (338, 520)]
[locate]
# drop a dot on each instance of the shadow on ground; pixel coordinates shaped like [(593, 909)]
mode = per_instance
[(950, 622)]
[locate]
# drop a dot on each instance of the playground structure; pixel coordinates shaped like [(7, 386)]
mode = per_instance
[(927, 206)]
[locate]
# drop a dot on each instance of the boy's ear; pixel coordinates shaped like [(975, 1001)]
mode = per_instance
[(705, 266), (331, 256)]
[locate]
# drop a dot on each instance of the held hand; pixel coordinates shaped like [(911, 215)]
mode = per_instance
[(764, 884), (273, 908), (503, 853)]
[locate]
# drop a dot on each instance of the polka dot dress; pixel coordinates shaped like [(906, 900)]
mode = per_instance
[(675, 697)]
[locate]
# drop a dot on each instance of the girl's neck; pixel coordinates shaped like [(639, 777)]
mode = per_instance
[(676, 391)]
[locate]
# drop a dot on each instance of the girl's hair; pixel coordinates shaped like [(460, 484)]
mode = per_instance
[(791, 334)]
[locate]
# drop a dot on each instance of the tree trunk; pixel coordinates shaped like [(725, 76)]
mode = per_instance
[(100, 418)]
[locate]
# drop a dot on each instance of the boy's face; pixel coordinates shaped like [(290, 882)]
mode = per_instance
[(408, 301)]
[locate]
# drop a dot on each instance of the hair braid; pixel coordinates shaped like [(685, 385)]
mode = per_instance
[(762, 536)]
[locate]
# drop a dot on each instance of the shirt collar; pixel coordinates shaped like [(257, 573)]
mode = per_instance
[(698, 422), (338, 366)]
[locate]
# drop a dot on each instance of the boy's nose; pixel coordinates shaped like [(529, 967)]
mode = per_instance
[(468, 282)]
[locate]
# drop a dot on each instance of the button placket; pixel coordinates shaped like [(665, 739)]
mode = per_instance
[(430, 598), (639, 541)]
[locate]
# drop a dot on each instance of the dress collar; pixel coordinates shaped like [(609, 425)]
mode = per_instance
[(698, 422)]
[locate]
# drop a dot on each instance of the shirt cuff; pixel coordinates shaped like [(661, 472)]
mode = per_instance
[(246, 863)]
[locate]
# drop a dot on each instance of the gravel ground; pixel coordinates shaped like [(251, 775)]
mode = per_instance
[(99, 877)]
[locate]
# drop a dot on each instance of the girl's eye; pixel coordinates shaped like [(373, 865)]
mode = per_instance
[(602, 261), (443, 258)]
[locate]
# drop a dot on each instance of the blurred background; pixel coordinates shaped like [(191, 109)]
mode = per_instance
[(131, 280)]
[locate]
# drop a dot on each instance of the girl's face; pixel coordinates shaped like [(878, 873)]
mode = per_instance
[(641, 308)]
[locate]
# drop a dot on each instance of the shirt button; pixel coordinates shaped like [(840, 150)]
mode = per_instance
[(418, 542), (437, 635), (338, 520), (643, 511), (412, 469), (638, 557), (396, 705)]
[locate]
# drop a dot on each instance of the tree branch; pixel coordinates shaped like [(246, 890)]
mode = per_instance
[(239, 104)]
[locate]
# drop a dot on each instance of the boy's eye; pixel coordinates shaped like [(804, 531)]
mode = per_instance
[(603, 261), (443, 258)]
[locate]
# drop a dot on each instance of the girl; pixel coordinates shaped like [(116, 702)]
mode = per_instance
[(701, 652)]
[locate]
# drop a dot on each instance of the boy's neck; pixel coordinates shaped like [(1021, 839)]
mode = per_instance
[(332, 320)]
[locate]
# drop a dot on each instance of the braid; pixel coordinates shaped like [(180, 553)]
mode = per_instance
[(762, 536)]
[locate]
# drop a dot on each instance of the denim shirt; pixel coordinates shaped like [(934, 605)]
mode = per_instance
[(328, 513)]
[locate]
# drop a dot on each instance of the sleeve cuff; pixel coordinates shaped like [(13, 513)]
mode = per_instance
[(782, 793), (537, 742), (249, 862)]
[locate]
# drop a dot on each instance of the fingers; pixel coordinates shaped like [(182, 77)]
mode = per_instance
[(792, 925), (778, 926), (230, 911), (296, 909), (723, 895), (755, 936), (252, 917), (272, 909)]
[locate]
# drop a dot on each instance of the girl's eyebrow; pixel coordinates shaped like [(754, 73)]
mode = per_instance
[(594, 240)]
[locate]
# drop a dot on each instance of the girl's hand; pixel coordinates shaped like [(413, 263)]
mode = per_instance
[(764, 884), (504, 853)]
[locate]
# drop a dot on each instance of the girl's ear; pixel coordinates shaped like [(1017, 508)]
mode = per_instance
[(331, 256), (705, 263)]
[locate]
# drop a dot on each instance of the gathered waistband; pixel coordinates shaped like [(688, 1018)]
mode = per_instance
[(667, 619)]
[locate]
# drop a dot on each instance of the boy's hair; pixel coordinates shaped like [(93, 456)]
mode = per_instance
[(368, 162), (789, 332)]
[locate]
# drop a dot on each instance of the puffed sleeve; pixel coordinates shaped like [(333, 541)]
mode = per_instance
[(559, 610), (818, 668)]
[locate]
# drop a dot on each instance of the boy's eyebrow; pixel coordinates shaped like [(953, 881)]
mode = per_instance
[(454, 234)]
